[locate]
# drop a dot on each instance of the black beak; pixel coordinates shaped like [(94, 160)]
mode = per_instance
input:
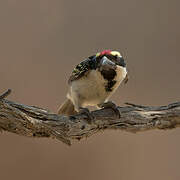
[(107, 64), (121, 62)]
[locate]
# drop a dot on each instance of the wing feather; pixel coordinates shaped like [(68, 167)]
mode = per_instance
[(83, 68)]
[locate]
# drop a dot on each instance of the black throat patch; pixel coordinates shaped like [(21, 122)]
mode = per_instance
[(109, 75)]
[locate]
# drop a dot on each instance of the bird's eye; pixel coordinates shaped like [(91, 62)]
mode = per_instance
[(114, 57)]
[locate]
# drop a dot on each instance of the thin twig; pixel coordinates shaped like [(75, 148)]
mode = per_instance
[(4, 95)]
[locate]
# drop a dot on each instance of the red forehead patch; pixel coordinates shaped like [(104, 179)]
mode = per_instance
[(105, 52)]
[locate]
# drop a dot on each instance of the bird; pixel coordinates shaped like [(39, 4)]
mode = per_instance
[(93, 81)]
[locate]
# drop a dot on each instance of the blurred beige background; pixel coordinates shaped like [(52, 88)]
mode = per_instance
[(42, 40)]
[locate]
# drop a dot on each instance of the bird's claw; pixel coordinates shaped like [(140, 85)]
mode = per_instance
[(87, 113), (111, 105)]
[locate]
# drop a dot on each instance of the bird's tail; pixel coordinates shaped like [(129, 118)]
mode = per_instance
[(67, 108)]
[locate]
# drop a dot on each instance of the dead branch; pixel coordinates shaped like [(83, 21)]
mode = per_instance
[(33, 121)]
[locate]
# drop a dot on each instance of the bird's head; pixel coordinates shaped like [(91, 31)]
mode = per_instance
[(113, 56)]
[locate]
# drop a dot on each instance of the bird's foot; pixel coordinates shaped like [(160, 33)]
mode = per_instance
[(87, 113), (111, 105)]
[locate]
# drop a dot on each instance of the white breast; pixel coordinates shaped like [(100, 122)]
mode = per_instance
[(90, 90)]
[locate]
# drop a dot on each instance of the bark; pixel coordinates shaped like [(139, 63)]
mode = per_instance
[(33, 121)]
